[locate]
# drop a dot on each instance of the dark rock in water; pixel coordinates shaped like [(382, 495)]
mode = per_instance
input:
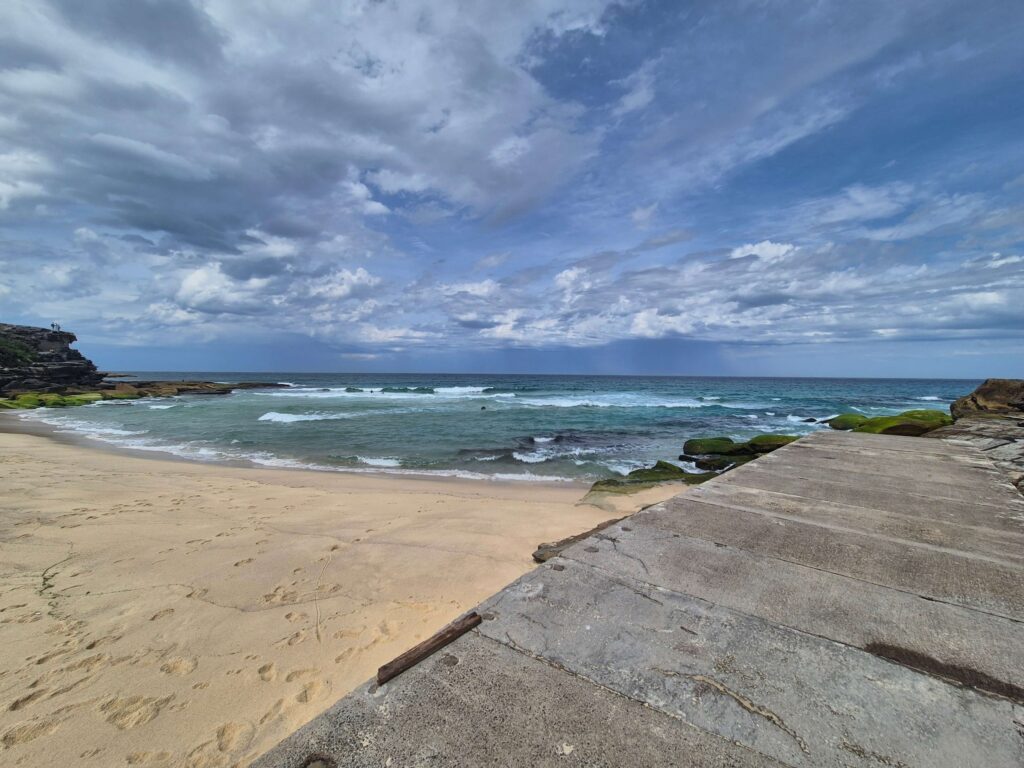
[(41, 359), (483, 407), (810, 420), (995, 397)]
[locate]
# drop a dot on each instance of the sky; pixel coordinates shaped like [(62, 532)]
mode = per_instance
[(558, 186)]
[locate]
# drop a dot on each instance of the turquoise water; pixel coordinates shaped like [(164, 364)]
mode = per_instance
[(502, 427)]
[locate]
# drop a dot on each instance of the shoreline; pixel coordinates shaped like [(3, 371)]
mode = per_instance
[(165, 612), (14, 423)]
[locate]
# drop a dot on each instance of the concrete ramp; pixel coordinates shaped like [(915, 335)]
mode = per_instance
[(849, 600)]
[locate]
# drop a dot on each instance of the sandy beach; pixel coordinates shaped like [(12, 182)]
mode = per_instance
[(159, 612)]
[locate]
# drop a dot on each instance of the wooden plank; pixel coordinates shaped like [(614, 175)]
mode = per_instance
[(431, 645)]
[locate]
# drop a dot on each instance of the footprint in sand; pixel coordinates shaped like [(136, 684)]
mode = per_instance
[(244, 562), (281, 595), (25, 732), (25, 701), (273, 712), (311, 691), (153, 759), (132, 711), (298, 674), (160, 614), (267, 672), (179, 666), (232, 736), (294, 616)]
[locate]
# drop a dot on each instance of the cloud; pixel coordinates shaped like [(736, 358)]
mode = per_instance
[(378, 175), (639, 87)]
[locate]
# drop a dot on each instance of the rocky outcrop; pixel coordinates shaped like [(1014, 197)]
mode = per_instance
[(41, 360), (995, 397)]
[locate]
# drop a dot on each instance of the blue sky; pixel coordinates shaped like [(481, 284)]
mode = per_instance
[(748, 188)]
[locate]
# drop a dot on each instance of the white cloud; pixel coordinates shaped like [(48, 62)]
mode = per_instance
[(639, 88), (765, 250), (641, 217)]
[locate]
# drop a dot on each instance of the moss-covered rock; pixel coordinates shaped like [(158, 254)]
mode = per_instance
[(768, 443), (908, 423), (847, 421), (705, 446), (719, 463), (638, 479)]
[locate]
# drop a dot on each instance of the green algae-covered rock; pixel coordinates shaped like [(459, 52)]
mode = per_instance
[(847, 421), (639, 479), (717, 463), (705, 446), (768, 443), (908, 423)]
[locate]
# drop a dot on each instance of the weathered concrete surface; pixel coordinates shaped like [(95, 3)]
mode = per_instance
[(479, 703), (1000, 440), (849, 600)]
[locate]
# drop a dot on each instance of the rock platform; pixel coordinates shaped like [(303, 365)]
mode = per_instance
[(848, 600)]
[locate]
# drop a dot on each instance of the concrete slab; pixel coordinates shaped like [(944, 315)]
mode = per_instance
[(963, 643), (801, 699), (887, 442), (859, 474), (1007, 516), (830, 458), (1001, 544), (952, 577), (479, 703)]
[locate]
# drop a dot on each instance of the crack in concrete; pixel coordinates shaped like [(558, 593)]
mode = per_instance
[(753, 708)]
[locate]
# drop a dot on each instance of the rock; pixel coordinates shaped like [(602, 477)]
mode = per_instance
[(720, 454), (912, 423), (661, 472), (768, 443), (809, 420), (909, 423), (41, 359), (703, 446), (846, 421), (995, 397)]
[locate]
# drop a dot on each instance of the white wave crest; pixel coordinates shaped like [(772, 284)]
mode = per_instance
[(375, 461), (288, 418)]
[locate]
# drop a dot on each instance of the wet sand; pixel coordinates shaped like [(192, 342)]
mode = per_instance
[(158, 612)]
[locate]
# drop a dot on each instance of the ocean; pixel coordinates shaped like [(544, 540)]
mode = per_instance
[(500, 427)]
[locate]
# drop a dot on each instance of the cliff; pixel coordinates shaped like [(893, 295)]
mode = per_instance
[(42, 360), (995, 397)]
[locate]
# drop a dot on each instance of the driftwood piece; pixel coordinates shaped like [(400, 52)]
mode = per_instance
[(431, 645), (546, 551)]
